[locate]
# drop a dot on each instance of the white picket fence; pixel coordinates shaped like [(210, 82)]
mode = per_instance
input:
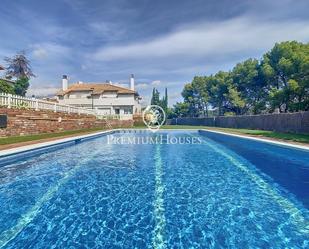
[(15, 101)]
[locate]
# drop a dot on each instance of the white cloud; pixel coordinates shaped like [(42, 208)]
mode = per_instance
[(156, 83), (49, 50), (142, 86), (107, 30), (174, 97), (46, 91), (40, 53), (215, 38)]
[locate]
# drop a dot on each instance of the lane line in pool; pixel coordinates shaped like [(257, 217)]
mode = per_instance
[(159, 231), (11, 233), (296, 216)]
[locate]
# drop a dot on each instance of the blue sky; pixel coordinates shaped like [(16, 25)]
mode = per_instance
[(163, 42)]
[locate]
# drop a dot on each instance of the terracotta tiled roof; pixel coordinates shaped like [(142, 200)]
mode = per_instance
[(98, 88)]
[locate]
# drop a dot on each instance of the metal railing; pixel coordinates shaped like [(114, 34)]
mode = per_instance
[(15, 101)]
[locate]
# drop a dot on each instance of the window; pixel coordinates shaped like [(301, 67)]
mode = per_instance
[(127, 110)]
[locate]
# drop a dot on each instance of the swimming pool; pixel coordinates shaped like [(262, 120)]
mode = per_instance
[(222, 192)]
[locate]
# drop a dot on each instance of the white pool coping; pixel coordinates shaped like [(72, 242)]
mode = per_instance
[(285, 144), (40, 145)]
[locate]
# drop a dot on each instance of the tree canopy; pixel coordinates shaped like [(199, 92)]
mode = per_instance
[(21, 85), (277, 82), (18, 66), (19, 69), (6, 87), (156, 100)]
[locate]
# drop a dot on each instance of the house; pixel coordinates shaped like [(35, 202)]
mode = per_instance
[(105, 98)]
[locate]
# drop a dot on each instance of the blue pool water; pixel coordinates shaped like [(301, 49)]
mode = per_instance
[(221, 192)]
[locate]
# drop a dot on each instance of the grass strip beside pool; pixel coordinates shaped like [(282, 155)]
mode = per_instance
[(300, 138), (27, 138)]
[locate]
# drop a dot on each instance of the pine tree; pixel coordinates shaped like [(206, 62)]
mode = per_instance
[(166, 99), (18, 67), (155, 99), (153, 96)]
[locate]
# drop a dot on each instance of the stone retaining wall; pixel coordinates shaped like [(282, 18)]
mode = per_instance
[(28, 122), (284, 122)]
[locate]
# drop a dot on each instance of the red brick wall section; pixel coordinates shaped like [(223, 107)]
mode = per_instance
[(138, 120), (28, 122)]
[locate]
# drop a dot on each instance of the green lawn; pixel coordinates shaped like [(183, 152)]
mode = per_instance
[(19, 139), (300, 138)]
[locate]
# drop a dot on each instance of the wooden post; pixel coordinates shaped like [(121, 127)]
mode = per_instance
[(9, 100), (36, 104)]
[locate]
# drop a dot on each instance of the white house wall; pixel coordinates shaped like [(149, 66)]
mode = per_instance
[(101, 101), (105, 104)]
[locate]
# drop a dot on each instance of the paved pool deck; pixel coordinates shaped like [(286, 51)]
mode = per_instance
[(38, 141)]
